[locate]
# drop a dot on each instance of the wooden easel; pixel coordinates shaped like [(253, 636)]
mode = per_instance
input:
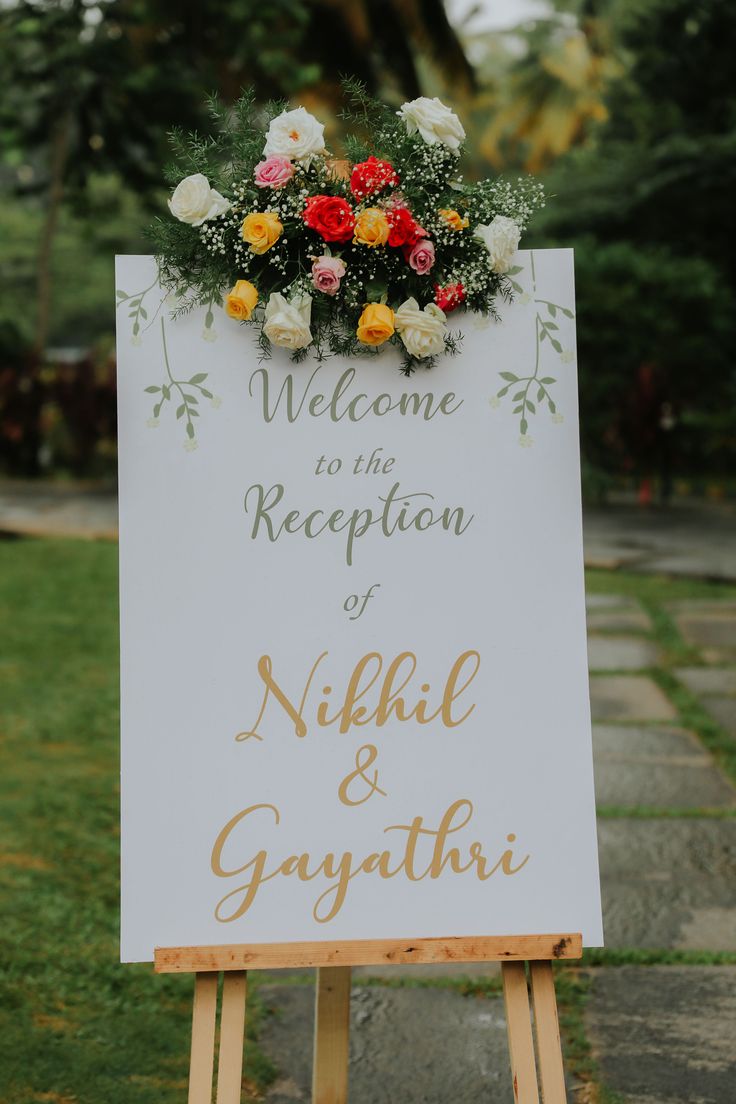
[(331, 1027)]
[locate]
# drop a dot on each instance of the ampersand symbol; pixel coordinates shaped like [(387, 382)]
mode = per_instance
[(364, 758)]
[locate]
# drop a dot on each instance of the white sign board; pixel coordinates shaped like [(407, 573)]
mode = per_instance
[(354, 677)]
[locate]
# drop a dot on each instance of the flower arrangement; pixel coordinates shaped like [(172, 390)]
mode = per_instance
[(339, 256)]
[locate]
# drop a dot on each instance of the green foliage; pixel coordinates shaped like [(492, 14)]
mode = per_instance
[(81, 267), (364, 111), (654, 327), (648, 206), (118, 82), (201, 263)]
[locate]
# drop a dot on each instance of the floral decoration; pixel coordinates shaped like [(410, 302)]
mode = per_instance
[(340, 255)]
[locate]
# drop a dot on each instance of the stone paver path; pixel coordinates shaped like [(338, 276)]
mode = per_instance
[(621, 653), (658, 768), (406, 1045), (719, 681), (665, 880), (667, 1034), (712, 631), (716, 688), (695, 539), (33, 508), (711, 626), (629, 698), (628, 618)]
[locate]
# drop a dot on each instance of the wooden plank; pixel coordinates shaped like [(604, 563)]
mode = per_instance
[(331, 1036), (232, 1031), (549, 1048), (202, 1058), (367, 952), (519, 1026)]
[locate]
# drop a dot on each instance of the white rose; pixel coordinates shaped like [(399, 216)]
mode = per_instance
[(422, 331), (287, 323), (194, 201), (295, 134), (501, 239), (435, 122)]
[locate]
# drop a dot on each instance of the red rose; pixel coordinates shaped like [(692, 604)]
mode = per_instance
[(371, 176), (331, 216), (404, 230), (449, 296)]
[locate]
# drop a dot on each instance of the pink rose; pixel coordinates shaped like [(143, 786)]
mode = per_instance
[(327, 273), (420, 256), (274, 172)]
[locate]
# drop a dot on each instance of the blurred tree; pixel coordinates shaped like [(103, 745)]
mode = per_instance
[(648, 202), (388, 44), (90, 89), (545, 91), (654, 332), (93, 87)]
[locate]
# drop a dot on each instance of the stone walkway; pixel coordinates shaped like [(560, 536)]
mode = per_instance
[(34, 508), (687, 538), (661, 1033)]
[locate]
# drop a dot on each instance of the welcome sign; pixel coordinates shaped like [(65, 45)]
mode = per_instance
[(354, 674)]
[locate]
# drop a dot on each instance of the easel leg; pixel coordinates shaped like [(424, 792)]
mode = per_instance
[(202, 1060), (331, 1036), (549, 1048), (232, 1031), (519, 1025)]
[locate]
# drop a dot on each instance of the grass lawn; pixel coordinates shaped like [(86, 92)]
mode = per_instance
[(75, 1026)]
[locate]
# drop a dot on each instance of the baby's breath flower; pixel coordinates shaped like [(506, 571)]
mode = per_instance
[(205, 261)]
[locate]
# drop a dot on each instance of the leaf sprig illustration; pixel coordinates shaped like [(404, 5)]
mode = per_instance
[(515, 272), (533, 390), (181, 392), (534, 383), (136, 310)]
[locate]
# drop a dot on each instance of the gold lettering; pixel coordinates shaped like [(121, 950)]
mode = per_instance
[(339, 870), (249, 889), (451, 693), (394, 700), (265, 671)]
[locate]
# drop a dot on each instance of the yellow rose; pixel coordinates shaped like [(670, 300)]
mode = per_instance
[(376, 324), (371, 227), (261, 230), (241, 300), (454, 219)]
